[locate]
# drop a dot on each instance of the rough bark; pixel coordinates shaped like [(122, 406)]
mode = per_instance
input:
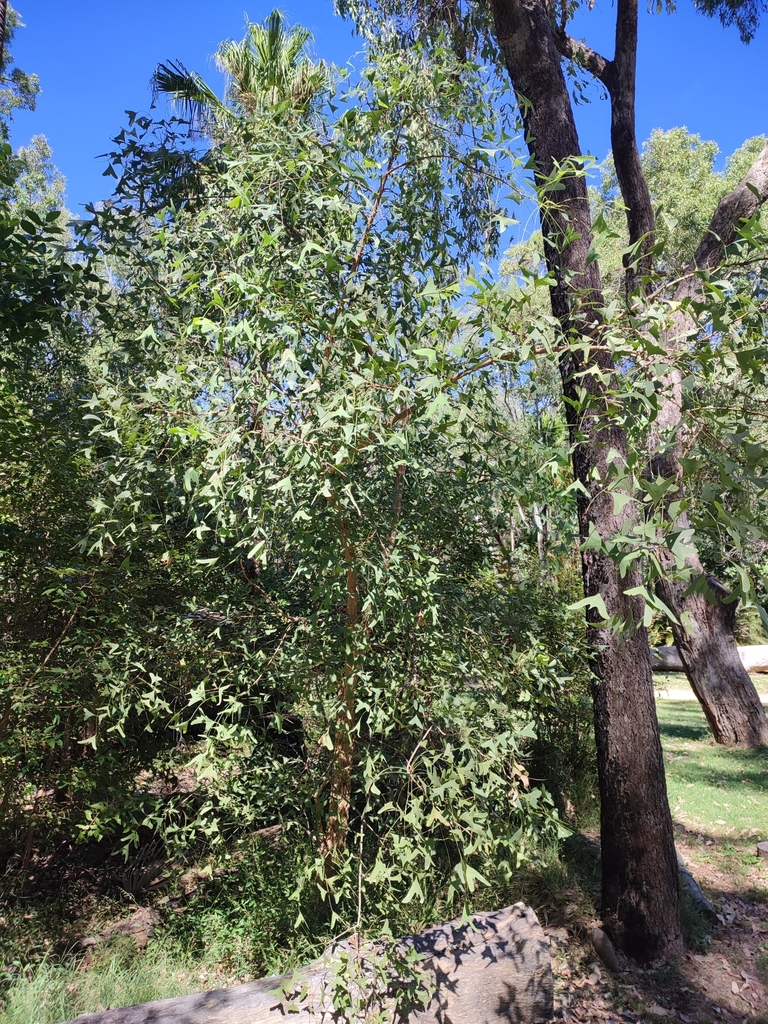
[(626, 156), (741, 203), (618, 76), (494, 969), (3, 20), (703, 631), (640, 899), (708, 647), (705, 639)]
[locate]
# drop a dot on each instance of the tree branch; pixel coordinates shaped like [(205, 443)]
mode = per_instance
[(618, 77), (629, 170), (741, 203), (584, 56)]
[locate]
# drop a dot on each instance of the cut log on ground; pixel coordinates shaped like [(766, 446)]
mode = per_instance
[(754, 658), (492, 969), (666, 659)]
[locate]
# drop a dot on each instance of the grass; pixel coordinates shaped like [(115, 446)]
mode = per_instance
[(716, 790), (55, 992), (678, 681), (231, 925)]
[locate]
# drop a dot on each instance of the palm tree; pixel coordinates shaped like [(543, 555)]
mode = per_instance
[(267, 72)]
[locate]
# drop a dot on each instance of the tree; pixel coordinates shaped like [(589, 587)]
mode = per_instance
[(640, 893), (42, 377), (38, 184), (678, 167), (3, 20), (18, 90), (640, 896), (701, 616), (306, 393), (268, 70)]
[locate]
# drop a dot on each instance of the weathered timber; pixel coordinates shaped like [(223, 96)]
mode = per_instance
[(754, 658), (492, 969)]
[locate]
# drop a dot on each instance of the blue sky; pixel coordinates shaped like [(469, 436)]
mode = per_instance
[(95, 58)]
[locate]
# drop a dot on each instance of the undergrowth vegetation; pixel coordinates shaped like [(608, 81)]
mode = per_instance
[(231, 917)]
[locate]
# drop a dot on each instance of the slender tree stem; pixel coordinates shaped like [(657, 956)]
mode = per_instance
[(3, 22)]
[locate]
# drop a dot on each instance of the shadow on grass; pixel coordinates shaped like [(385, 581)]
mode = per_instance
[(716, 765), (682, 720), (750, 771)]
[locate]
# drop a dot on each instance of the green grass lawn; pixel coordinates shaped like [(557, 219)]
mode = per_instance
[(718, 791), (678, 681)]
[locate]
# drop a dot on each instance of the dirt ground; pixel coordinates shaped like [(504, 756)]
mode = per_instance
[(717, 983)]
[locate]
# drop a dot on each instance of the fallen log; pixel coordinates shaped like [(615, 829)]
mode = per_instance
[(492, 969), (691, 886), (666, 659), (754, 658)]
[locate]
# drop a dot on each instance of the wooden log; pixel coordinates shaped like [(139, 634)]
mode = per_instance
[(492, 969), (754, 658), (691, 886), (666, 659)]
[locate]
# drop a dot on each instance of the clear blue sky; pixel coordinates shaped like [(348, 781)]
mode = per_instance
[(95, 58)]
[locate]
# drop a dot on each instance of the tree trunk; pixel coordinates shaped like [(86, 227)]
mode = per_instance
[(704, 633), (494, 969), (641, 897), (3, 20), (703, 630), (708, 648), (333, 841), (618, 76)]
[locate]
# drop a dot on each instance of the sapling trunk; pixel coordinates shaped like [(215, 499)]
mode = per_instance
[(334, 838)]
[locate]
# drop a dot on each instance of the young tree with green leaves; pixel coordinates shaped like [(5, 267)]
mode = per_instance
[(299, 378)]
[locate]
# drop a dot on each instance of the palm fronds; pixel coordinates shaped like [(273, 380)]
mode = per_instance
[(269, 67), (268, 70), (191, 93)]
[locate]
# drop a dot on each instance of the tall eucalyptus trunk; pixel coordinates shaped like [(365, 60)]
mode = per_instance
[(640, 894), (3, 20)]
